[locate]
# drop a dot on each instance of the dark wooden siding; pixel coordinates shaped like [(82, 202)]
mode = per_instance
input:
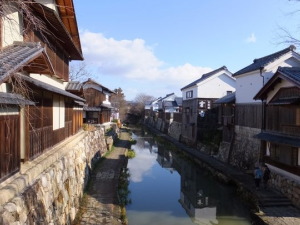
[(57, 56), (248, 115), (41, 133), (9, 145), (93, 97), (177, 117), (283, 119)]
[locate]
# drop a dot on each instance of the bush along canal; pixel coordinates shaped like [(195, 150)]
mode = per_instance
[(167, 188)]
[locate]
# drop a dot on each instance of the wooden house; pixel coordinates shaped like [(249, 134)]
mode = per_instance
[(249, 112), (98, 107), (281, 131), (36, 112), (198, 98)]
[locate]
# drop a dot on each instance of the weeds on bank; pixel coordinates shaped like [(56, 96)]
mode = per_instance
[(124, 193), (130, 153)]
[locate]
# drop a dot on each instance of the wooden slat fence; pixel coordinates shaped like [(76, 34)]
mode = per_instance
[(248, 115), (42, 139), (177, 117), (9, 145)]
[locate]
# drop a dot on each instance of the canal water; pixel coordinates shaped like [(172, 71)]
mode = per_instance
[(169, 189)]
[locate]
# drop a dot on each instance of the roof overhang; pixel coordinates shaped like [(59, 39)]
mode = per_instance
[(30, 57), (92, 109), (57, 30), (275, 79), (68, 16), (14, 99), (50, 88), (279, 139)]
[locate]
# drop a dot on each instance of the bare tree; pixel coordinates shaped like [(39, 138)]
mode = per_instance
[(79, 71), (285, 35), (137, 109)]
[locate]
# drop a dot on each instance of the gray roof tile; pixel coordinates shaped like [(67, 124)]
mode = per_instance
[(74, 86), (264, 61), (17, 55), (205, 76), (14, 99)]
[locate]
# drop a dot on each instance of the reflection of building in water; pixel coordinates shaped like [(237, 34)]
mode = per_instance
[(151, 145), (196, 196), (165, 158)]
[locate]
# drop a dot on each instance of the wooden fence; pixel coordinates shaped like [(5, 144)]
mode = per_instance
[(43, 138), (9, 145), (248, 115)]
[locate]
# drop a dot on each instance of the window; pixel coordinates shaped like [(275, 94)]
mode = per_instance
[(58, 112), (189, 94), (229, 92)]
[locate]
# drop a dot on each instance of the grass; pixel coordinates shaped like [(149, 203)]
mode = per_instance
[(130, 154)]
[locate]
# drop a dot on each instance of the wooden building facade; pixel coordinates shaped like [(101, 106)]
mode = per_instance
[(281, 133), (36, 112)]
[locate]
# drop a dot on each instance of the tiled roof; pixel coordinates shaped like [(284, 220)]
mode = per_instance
[(264, 61), (93, 81), (168, 95), (292, 73), (230, 98), (17, 55), (205, 76), (74, 86), (14, 99), (92, 109), (179, 101)]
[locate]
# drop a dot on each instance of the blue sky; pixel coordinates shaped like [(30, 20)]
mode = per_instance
[(156, 47)]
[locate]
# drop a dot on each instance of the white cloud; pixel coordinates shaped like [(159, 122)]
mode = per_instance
[(134, 67), (251, 38), (129, 58)]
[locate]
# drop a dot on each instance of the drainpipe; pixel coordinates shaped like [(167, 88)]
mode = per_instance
[(262, 102), (263, 120)]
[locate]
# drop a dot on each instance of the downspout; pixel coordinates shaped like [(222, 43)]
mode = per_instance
[(262, 101), (263, 120)]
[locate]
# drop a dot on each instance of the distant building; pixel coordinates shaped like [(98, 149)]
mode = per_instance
[(198, 97)]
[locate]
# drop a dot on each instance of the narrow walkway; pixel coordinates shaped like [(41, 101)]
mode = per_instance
[(274, 208), (100, 205)]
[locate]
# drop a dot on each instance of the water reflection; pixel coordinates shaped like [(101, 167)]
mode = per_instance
[(168, 189)]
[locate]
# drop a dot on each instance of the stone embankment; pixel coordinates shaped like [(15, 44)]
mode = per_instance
[(48, 189)]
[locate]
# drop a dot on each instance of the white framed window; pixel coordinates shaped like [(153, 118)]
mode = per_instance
[(189, 94), (58, 112)]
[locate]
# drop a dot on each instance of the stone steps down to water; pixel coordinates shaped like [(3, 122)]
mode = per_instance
[(269, 199)]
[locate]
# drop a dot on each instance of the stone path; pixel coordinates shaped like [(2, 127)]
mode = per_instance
[(101, 201), (275, 213)]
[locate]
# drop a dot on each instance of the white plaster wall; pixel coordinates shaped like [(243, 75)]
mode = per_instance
[(217, 87), (56, 113), (3, 87), (12, 26), (49, 3), (248, 85), (48, 80), (195, 93)]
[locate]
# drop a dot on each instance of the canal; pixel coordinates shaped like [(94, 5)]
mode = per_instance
[(169, 189)]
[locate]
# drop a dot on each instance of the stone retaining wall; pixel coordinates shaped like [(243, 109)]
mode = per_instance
[(246, 149), (175, 130), (48, 190), (290, 188)]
